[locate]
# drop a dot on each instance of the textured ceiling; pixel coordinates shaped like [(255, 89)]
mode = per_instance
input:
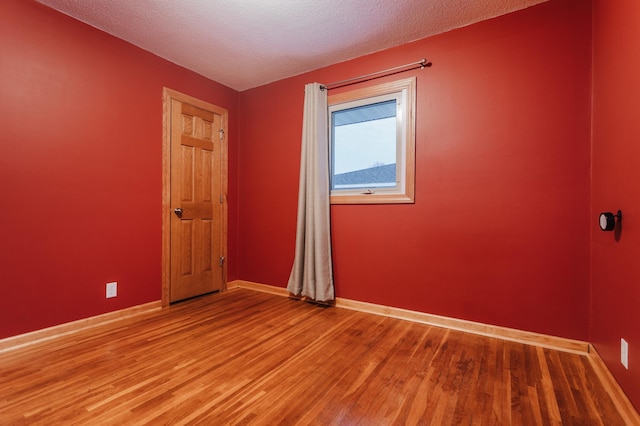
[(247, 43)]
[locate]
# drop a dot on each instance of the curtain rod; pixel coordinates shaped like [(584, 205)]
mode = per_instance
[(422, 63)]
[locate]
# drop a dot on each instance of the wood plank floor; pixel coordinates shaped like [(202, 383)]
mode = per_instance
[(244, 357)]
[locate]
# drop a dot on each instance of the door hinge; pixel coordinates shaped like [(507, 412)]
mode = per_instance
[(221, 199), (221, 132), (222, 259)]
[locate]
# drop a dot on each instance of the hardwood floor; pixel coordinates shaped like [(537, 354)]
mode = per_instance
[(244, 357)]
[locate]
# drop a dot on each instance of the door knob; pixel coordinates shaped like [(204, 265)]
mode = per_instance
[(178, 212)]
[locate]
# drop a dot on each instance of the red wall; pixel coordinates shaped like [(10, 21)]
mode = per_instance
[(80, 169), (499, 232), (615, 303)]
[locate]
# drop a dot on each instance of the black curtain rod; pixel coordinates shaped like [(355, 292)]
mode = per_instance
[(422, 63)]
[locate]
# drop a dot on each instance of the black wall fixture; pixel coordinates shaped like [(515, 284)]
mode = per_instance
[(608, 220)]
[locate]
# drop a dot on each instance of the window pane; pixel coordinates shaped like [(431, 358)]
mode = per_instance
[(364, 147), (372, 136)]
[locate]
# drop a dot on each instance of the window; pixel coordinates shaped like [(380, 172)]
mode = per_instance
[(372, 144)]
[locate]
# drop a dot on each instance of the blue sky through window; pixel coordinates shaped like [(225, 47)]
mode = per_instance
[(364, 137)]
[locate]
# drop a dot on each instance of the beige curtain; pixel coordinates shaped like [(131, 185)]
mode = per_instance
[(312, 272)]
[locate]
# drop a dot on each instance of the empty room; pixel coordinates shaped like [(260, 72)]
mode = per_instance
[(320, 212)]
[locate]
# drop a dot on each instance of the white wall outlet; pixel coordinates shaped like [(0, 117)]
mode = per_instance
[(112, 289), (624, 353)]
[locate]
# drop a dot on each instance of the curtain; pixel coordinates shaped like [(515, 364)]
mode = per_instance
[(312, 271)]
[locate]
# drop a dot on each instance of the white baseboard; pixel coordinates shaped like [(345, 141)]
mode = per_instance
[(22, 340), (514, 335)]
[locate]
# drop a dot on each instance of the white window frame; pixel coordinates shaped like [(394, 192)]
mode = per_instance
[(404, 191)]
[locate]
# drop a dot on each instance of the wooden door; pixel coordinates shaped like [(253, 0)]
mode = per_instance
[(197, 136)]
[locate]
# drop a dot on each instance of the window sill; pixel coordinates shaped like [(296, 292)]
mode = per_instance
[(372, 199)]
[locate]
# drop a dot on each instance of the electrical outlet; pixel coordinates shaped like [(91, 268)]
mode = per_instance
[(112, 289), (624, 353)]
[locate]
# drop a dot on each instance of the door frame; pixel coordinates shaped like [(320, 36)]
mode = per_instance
[(167, 96)]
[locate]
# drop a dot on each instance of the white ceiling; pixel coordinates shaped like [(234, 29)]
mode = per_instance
[(248, 43)]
